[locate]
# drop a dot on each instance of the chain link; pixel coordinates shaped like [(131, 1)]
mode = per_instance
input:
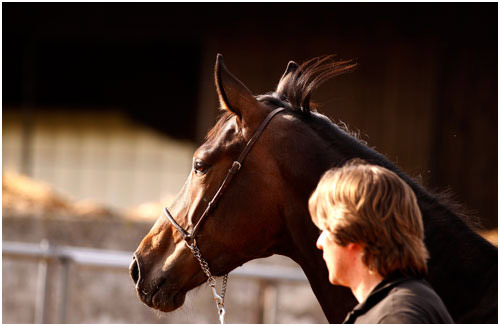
[(224, 286), (219, 299)]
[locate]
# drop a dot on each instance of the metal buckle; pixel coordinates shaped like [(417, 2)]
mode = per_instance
[(235, 167)]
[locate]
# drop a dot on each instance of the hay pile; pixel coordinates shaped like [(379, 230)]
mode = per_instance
[(22, 196), (150, 210)]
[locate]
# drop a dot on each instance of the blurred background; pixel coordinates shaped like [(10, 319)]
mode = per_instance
[(103, 105)]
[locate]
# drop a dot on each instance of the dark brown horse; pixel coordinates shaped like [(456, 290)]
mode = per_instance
[(264, 210)]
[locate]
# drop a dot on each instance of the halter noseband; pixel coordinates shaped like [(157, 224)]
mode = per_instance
[(190, 238)]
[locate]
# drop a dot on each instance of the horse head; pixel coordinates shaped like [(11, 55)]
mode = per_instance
[(249, 220)]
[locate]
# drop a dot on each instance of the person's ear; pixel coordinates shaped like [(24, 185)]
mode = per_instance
[(356, 248)]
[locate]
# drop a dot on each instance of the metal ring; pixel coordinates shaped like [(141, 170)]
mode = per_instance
[(193, 243)]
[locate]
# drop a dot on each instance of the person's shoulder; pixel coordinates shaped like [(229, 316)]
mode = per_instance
[(409, 301), (412, 286), (403, 317), (415, 301), (415, 291)]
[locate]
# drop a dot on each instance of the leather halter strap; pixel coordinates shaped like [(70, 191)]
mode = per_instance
[(189, 237)]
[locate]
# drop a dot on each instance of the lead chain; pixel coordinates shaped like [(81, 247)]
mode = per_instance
[(219, 299)]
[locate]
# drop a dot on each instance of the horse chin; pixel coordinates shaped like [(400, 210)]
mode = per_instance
[(167, 302)]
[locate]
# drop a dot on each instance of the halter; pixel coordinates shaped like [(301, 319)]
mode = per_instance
[(190, 237)]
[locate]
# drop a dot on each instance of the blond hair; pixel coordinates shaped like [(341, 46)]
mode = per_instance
[(371, 205)]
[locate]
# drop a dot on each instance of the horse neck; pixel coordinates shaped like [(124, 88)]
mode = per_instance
[(455, 249), (301, 234), (300, 245)]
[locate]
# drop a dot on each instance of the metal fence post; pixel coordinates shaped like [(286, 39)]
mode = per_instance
[(63, 294), (270, 303), (43, 285), (267, 304)]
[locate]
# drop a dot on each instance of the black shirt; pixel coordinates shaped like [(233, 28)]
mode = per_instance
[(401, 300)]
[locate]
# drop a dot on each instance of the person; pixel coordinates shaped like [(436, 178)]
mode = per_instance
[(372, 242)]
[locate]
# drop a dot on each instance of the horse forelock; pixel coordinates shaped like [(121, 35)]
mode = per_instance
[(219, 125)]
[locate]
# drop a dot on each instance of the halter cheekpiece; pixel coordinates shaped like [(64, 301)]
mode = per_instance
[(190, 237)]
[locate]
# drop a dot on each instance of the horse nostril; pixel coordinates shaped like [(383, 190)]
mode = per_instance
[(134, 271)]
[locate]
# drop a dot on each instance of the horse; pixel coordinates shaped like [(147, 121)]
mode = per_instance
[(264, 210)]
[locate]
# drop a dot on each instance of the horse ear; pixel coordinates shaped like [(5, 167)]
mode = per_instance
[(234, 96), (290, 68)]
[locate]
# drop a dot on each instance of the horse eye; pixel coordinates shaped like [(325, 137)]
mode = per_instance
[(200, 167)]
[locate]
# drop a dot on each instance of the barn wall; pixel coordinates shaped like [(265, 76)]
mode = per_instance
[(102, 157)]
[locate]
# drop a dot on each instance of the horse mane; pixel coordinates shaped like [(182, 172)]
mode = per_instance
[(297, 86), (339, 136), (295, 90)]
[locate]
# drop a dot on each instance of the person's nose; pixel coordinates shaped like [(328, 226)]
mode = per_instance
[(319, 242)]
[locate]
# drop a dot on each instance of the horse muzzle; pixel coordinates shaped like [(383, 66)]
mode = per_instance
[(158, 294)]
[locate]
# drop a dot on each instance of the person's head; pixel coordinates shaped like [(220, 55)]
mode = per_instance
[(370, 206)]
